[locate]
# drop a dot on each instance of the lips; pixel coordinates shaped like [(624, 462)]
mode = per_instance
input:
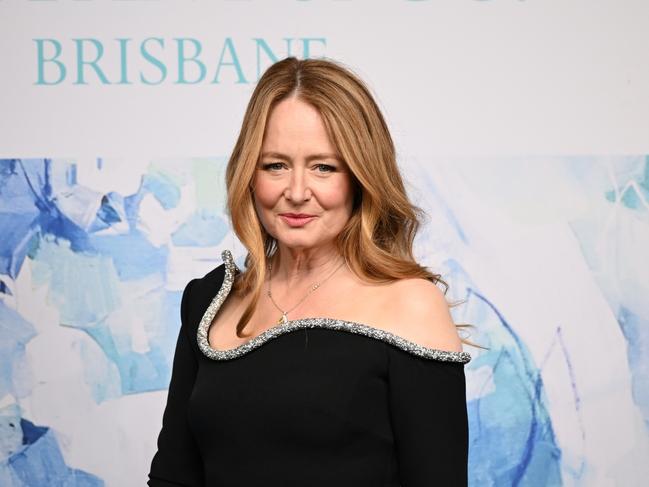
[(297, 221)]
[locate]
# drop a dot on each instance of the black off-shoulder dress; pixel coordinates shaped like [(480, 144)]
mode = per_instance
[(312, 402)]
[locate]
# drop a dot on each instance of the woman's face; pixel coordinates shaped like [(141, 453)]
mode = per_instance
[(300, 172)]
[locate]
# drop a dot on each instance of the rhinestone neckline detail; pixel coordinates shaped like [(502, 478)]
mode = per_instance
[(302, 323)]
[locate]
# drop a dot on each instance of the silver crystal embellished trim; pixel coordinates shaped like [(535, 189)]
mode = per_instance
[(302, 323)]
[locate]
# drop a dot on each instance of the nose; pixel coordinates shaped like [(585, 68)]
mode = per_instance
[(297, 189)]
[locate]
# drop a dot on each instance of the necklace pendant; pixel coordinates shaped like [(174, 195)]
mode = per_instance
[(283, 319)]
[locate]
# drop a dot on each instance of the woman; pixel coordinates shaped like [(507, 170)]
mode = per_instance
[(332, 360)]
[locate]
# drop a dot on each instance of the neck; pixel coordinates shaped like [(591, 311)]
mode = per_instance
[(292, 267)]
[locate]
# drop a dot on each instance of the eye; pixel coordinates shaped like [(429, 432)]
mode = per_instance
[(271, 165), (327, 167)]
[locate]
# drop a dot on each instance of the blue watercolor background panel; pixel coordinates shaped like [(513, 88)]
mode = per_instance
[(103, 248)]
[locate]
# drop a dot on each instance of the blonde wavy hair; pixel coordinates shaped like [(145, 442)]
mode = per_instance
[(376, 242)]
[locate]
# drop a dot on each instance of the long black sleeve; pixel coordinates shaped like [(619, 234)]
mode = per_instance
[(177, 461), (427, 400)]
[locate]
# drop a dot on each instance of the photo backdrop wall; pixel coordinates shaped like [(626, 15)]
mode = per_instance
[(521, 129)]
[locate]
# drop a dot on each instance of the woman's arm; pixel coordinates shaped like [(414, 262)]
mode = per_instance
[(178, 461), (429, 419)]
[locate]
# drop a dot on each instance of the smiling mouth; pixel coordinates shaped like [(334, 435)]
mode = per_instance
[(296, 221)]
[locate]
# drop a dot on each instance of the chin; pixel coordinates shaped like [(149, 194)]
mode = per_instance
[(296, 243)]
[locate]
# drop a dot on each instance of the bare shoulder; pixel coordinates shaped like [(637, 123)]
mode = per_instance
[(422, 315)]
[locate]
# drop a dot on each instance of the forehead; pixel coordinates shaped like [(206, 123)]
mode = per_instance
[(296, 126)]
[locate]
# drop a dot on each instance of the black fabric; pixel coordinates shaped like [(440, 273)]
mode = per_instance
[(312, 407)]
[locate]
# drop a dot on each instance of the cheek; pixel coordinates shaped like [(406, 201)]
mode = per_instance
[(267, 193), (336, 196)]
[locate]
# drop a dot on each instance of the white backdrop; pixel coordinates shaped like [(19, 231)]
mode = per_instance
[(521, 128)]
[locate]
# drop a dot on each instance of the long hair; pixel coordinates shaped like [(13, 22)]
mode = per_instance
[(377, 240)]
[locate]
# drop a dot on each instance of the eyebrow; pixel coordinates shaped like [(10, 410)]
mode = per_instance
[(323, 155)]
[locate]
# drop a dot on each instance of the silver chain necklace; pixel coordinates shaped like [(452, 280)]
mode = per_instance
[(284, 317)]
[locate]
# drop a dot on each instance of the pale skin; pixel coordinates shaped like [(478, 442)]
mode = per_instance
[(300, 171)]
